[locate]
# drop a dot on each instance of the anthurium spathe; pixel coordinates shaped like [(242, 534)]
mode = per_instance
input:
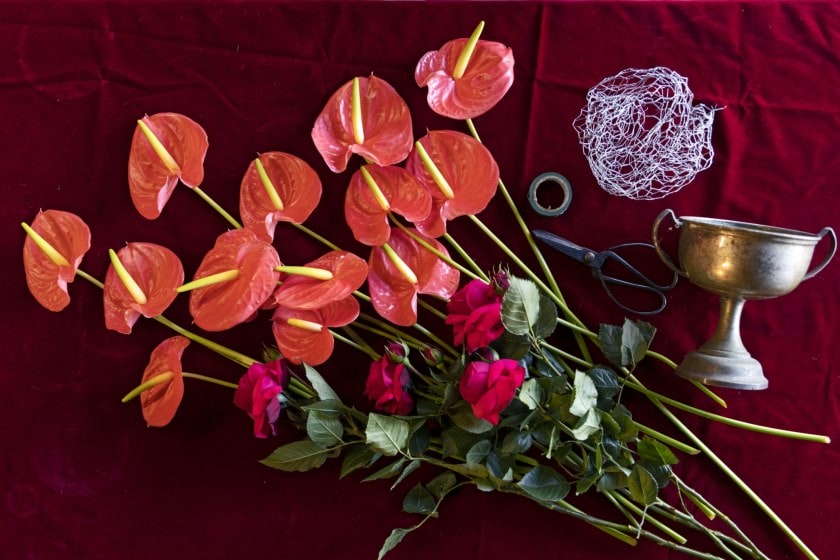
[(401, 269), (303, 335), (222, 305), (346, 272), (54, 247), (466, 77), (160, 401), (459, 172), (166, 148), (277, 187), (365, 116), (374, 191), (141, 280)]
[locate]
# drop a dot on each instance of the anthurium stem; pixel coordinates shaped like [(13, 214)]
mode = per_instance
[(228, 353), (373, 355), (317, 237), (91, 279), (213, 204), (732, 475), (213, 380), (466, 256)]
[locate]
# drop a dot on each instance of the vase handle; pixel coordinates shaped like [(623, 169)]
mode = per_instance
[(655, 238), (825, 231)]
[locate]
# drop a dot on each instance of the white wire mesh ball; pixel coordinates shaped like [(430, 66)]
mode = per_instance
[(641, 135)]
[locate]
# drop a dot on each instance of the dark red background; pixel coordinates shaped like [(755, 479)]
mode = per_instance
[(80, 474)]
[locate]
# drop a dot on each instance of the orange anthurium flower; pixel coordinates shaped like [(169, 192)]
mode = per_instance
[(160, 402), (459, 172), (303, 335), (373, 192), (393, 290), (277, 187), (300, 291), (470, 91), (166, 148), (50, 267), (155, 270), (220, 306), (365, 116)]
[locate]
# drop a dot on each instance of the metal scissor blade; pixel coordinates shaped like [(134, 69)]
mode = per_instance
[(563, 245)]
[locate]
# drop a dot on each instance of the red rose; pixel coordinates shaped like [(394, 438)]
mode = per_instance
[(257, 394), (489, 387), (475, 313), (387, 384)]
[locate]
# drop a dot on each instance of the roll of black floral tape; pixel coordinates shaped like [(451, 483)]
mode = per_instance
[(549, 211)]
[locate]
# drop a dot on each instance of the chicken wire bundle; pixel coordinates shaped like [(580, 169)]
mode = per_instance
[(642, 136)]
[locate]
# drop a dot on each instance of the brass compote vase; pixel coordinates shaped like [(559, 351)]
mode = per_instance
[(739, 261)]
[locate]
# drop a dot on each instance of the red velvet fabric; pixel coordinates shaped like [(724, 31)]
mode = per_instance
[(81, 477)]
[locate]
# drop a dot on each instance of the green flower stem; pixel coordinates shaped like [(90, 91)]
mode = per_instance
[(623, 504), (213, 204), (431, 309), (466, 256), (230, 354), (373, 355), (732, 475), (675, 443), (635, 384), (90, 279), (210, 380), (703, 388), (441, 255), (316, 236), (389, 333), (355, 337)]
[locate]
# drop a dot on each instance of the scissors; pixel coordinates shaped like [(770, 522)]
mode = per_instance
[(597, 260)]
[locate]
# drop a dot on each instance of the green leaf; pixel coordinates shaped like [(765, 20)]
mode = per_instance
[(612, 480), (588, 425), (655, 452), (386, 434), (585, 395), (419, 500), (330, 406), (325, 392), (359, 456), (478, 452), (388, 471), (516, 442), (520, 306), (546, 319), (393, 540), (440, 485), (324, 428), (642, 486), (513, 346), (464, 418), (299, 456), (531, 393), (625, 346), (409, 468), (607, 384), (629, 430), (544, 484)]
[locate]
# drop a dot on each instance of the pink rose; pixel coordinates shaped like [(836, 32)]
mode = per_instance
[(257, 394), (490, 387), (475, 313), (387, 382)]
